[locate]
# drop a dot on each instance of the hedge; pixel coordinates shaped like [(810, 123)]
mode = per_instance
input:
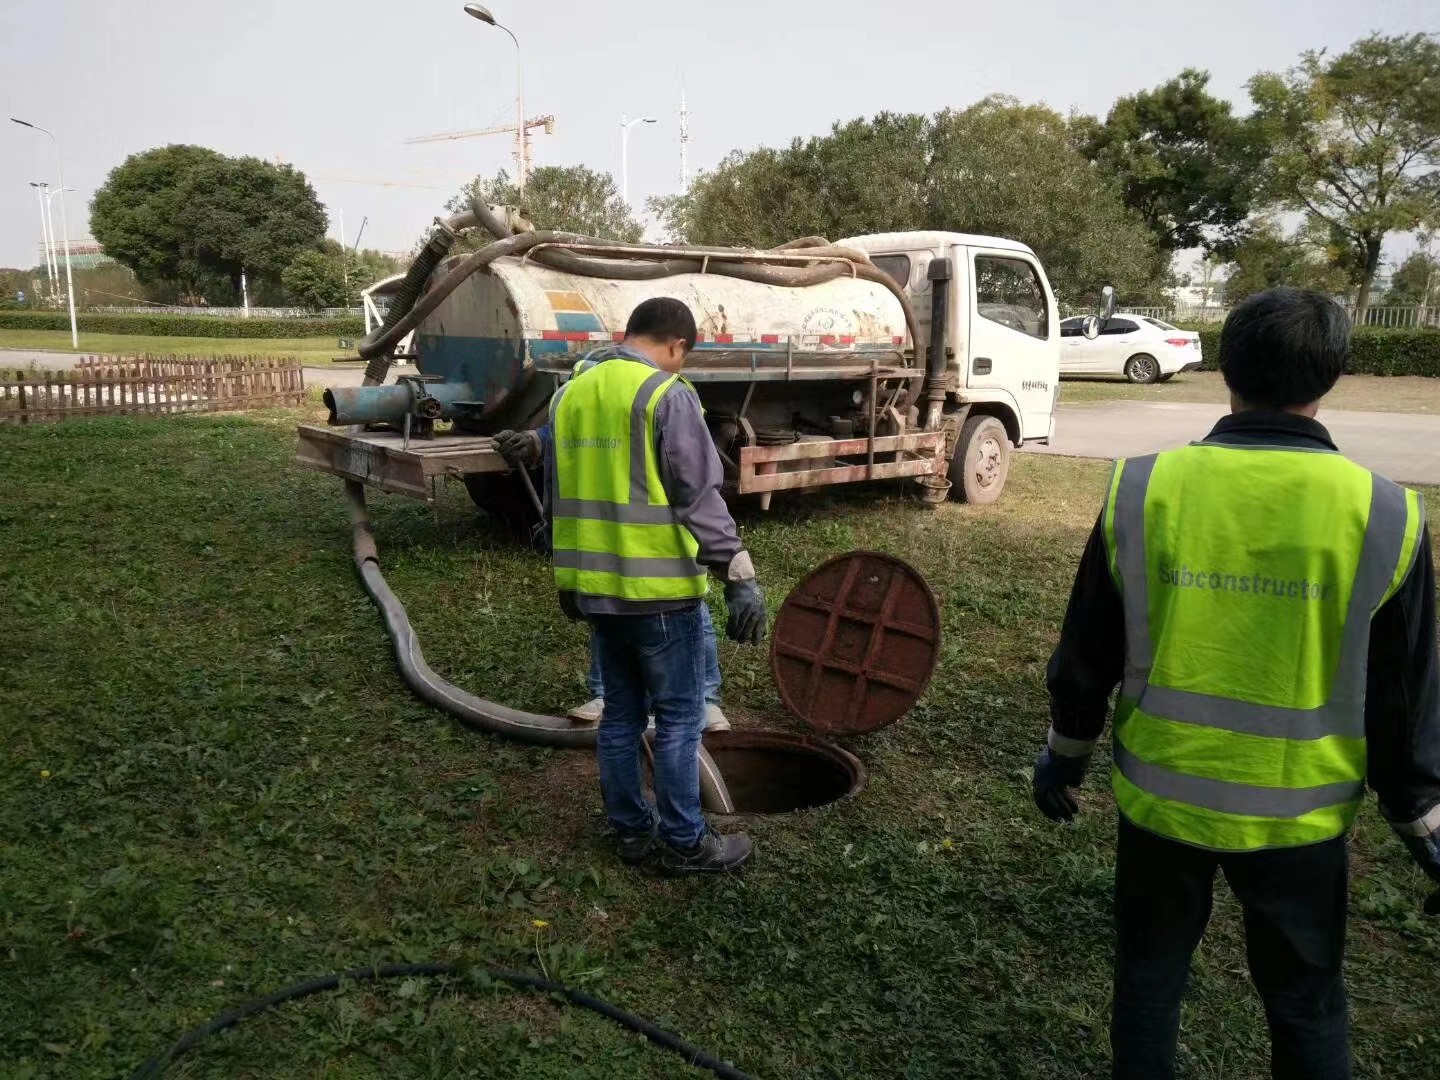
[(1372, 352), (204, 326)]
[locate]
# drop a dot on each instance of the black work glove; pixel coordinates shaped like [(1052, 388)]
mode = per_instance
[(1055, 775), (519, 448), (569, 607), (746, 603)]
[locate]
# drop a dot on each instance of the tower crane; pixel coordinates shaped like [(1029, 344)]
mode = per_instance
[(521, 152)]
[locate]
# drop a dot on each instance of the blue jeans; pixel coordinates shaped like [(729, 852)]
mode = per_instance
[(659, 658), (596, 684)]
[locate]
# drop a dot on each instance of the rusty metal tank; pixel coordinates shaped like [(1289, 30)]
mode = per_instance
[(771, 352)]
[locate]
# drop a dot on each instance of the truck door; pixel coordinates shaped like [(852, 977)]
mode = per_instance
[(1014, 334)]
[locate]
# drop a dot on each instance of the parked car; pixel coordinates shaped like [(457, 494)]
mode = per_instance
[(1143, 349)]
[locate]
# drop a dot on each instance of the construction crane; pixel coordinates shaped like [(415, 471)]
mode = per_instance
[(522, 144)]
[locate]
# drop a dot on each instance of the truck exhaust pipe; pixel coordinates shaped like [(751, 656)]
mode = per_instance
[(938, 273)]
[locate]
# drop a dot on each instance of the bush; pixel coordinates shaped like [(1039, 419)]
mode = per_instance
[(205, 326), (1372, 352)]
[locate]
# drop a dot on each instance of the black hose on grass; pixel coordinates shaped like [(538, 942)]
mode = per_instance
[(693, 1055)]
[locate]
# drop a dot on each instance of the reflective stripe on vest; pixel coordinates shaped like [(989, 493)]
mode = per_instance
[(614, 531), (1249, 576)]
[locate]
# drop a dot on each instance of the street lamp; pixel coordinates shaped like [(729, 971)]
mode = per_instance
[(46, 239), (64, 225), (522, 152), (625, 126), (50, 220)]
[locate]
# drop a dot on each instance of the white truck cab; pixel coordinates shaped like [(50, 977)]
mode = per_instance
[(1002, 341)]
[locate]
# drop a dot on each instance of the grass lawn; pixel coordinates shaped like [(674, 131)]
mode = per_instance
[(319, 351), (1362, 393), (213, 784)]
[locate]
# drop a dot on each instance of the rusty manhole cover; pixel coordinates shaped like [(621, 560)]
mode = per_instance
[(855, 643)]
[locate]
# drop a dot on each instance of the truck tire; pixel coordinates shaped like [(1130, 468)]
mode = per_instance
[(504, 500), (981, 461), (1142, 368)]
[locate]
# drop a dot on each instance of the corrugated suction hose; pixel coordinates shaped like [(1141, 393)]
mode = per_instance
[(470, 710)]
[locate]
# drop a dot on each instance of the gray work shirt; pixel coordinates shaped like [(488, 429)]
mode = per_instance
[(691, 475)]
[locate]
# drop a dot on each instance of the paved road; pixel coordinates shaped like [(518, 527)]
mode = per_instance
[(1401, 446), (11, 359)]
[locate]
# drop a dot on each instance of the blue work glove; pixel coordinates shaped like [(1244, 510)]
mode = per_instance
[(1055, 775), (519, 448), (745, 601)]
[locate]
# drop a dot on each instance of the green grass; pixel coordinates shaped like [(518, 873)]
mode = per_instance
[(319, 351), (1361, 393), (240, 794)]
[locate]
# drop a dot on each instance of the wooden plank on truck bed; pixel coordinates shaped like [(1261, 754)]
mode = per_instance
[(381, 459)]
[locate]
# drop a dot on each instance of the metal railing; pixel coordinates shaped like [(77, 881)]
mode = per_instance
[(229, 312), (1392, 317)]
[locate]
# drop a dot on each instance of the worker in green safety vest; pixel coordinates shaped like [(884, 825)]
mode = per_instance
[(637, 526), (1267, 608)]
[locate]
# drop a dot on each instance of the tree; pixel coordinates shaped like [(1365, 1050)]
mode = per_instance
[(316, 280), (1008, 169), (192, 219), (1417, 279), (1356, 143), (569, 198), (1264, 257), (1181, 160), (998, 167)]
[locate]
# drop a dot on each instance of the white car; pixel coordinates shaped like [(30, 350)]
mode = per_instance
[(1143, 349)]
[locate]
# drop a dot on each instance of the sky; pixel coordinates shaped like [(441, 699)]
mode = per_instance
[(334, 87)]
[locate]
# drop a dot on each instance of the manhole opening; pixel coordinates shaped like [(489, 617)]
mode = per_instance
[(773, 773)]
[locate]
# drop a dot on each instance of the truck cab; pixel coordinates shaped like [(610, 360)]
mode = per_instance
[(1002, 341)]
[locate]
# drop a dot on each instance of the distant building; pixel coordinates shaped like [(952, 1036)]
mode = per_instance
[(85, 254)]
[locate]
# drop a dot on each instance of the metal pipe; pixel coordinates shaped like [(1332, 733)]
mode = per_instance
[(392, 403), (938, 273)]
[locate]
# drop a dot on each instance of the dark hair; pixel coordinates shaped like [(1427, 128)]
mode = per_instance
[(1284, 347), (662, 319)]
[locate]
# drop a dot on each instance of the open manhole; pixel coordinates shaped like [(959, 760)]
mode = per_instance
[(771, 772)]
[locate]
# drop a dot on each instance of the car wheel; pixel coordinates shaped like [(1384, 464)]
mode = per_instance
[(1142, 368), (981, 461)]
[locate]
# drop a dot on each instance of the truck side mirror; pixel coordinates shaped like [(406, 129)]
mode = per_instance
[(1090, 327)]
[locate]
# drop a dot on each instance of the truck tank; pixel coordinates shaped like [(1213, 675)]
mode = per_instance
[(784, 358), (804, 363)]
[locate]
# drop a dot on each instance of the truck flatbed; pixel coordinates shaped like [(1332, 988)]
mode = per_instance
[(386, 460)]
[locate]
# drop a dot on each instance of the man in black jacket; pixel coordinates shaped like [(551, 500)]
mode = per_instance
[(1281, 351)]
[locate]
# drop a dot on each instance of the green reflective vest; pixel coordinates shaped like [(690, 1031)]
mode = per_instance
[(1249, 576), (614, 531)]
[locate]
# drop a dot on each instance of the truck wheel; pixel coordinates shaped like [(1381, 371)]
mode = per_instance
[(1142, 368), (981, 461), (505, 501)]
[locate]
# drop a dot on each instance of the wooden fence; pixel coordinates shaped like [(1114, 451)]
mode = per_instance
[(146, 385)]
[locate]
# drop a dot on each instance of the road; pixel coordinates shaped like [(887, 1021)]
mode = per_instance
[(13, 359), (1402, 446)]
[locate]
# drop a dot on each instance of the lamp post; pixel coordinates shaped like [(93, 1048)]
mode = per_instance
[(625, 126), (50, 220), (49, 244), (522, 151), (64, 225)]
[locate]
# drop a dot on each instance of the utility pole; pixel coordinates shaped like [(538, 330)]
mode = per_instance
[(64, 225), (45, 239), (522, 136), (684, 141), (625, 126)]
